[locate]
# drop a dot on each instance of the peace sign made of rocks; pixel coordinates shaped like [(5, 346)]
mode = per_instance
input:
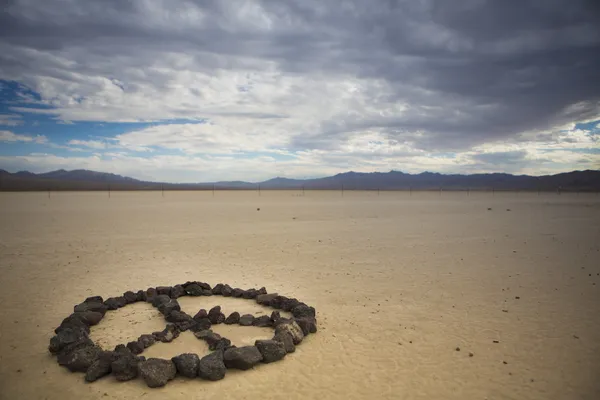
[(77, 352)]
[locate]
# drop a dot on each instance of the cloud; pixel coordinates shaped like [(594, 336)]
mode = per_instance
[(8, 136), (10, 119), (355, 83), (94, 144)]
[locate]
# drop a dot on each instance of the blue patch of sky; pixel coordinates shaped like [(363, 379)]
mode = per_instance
[(13, 94)]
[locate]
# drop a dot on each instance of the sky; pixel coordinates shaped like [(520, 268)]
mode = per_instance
[(199, 91)]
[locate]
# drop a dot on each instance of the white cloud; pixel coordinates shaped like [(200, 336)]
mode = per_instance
[(11, 119), (94, 144), (8, 136)]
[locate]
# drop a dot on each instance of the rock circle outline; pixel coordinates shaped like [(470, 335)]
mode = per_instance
[(75, 350)]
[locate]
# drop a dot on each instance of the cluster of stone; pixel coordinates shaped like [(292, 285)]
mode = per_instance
[(77, 352)]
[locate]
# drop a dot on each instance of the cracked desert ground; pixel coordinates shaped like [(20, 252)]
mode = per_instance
[(405, 287)]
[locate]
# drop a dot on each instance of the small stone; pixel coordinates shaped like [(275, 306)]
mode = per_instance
[(286, 339), (215, 316), (66, 337), (233, 318), (156, 372), (201, 314), (212, 367), (187, 364), (226, 291), (302, 310), (217, 289), (177, 291), (100, 367), (293, 329), (246, 320), (237, 292), (167, 335), (130, 297), (271, 350), (165, 290), (495, 341), (504, 362), (193, 289), (91, 306), (265, 299), (169, 306), (471, 354), (242, 358), (307, 324), (136, 347), (150, 295), (517, 297), (80, 359), (147, 340), (457, 349), (140, 295), (262, 290), (114, 303), (263, 321)]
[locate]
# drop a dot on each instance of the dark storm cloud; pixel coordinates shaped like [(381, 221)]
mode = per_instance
[(468, 72)]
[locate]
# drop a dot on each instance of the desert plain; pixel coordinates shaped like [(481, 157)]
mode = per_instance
[(421, 295)]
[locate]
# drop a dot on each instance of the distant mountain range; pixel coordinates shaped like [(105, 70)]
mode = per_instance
[(588, 180)]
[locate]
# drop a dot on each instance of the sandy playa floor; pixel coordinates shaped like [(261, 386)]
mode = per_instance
[(398, 281)]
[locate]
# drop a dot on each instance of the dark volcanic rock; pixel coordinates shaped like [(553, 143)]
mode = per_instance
[(275, 316), (286, 339), (169, 306), (302, 310), (66, 337), (94, 299), (140, 295), (263, 321), (100, 367), (125, 366), (250, 294), (271, 350), (74, 323), (237, 292), (277, 301), (193, 289), (177, 316), (201, 325), (307, 324), (215, 316), (214, 340), (242, 357), (289, 304), (114, 303), (150, 295), (156, 372), (167, 335), (166, 290), (160, 299), (293, 329), (136, 347), (233, 318), (217, 289), (204, 286), (212, 367), (206, 292), (187, 364), (262, 290), (91, 306), (130, 297), (226, 291), (246, 319), (265, 299), (79, 359), (201, 314), (177, 291), (147, 340), (90, 318)]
